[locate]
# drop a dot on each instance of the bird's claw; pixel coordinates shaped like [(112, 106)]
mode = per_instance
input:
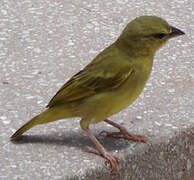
[(126, 135), (106, 133), (136, 138), (112, 161)]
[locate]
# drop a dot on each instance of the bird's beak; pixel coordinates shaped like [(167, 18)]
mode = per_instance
[(175, 32)]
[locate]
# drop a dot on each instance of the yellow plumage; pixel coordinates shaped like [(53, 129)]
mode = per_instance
[(111, 82)]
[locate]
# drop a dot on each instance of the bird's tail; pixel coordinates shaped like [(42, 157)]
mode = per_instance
[(51, 114)]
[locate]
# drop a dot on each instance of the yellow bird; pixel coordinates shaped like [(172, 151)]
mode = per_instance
[(111, 82)]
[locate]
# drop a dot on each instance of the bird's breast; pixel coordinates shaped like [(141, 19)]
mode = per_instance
[(105, 104), (131, 89)]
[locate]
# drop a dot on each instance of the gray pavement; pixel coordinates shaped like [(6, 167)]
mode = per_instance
[(44, 42)]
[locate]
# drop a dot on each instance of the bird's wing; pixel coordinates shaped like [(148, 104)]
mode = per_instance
[(98, 76)]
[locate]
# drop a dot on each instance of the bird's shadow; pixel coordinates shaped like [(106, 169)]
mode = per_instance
[(73, 139)]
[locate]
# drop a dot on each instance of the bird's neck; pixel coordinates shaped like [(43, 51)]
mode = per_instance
[(141, 58), (135, 49)]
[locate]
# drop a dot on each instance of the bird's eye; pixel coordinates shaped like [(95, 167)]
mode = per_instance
[(160, 35)]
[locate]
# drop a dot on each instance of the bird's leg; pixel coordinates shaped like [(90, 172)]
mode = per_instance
[(113, 160), (123, 132)]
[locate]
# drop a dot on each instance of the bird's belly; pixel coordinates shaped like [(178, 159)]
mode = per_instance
[(105, 104), (127, 94)]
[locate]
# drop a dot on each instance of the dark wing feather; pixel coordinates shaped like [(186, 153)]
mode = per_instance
[(98, 76)]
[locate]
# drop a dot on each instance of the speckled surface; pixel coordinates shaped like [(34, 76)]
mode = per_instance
[(43, 43)]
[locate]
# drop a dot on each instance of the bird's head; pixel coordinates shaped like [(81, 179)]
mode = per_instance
[(145, 34)]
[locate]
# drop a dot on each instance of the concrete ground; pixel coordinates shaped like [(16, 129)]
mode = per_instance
[(44, 42)]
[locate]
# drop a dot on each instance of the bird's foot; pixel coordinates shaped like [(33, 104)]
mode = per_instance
[(111, 159), (126, 135), (122, 131)]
